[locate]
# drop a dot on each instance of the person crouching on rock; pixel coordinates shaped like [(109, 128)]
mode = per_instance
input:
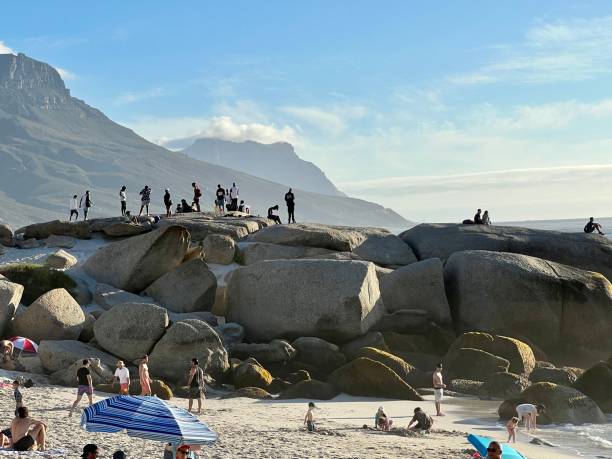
[(382, 421), (591, 226)]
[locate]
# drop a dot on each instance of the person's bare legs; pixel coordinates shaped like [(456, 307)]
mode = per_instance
[(438, 411), (190, 405), (39, 434), (147, 209), (76, 402), (90, 397), (199, 406), (140, 213)]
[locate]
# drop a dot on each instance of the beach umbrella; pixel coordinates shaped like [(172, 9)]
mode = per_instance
[(481, 444), (24, 344), (150, 418)]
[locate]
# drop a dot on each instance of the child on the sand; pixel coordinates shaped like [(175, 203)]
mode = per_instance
[(17, 394), (511, 428), (309, 418)]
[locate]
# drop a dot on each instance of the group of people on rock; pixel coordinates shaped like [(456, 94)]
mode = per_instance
[(226, 200), (479, 218)]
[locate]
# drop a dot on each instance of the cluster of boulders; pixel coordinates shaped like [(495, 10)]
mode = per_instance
[(312, 310)]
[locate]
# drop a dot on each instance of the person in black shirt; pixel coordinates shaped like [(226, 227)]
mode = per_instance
[(271, 215), (420, 420), (478, 217), (85, 385), (168, 203), (220, 198), (86, 203), (290, 200), (591, 226)]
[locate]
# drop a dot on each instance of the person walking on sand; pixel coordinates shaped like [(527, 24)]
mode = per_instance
[(85, 385), (591, 226), (220, 194), (86, 203), (145, 199), (123, 199), (290, 200), (122, 374), (27, 432), (18, 396), (234, 192), (168, 202), (143, 375), (196, 385), (438, 386), (528, 414), (74, 208), (197, 194), (309, 418)]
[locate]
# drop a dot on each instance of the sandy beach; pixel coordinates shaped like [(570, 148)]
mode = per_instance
[(273, 429)]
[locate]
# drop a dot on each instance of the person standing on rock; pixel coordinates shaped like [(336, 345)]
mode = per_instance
[(234, 193), (196, 385), (122, 374), (290, 200), (143, 375), (123, 199), (220, 198), (197, 194), (438, 386), (85, 204), (74, 208), (85, 385), (168, 202), (145, 199)]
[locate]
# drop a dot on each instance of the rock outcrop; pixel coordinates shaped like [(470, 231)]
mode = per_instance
[(100, 373), (311, 235), (335, 300), (7, 238), (219, 249), (10, 296), (251, 374), (253, 252), (60, 260), (385, 250), (57, 355), (311, 390), (596, 382), (503, 385), (468, 363), (79, 230), (124, 229), (275, 351), (108, 296), (323, 355), (135, 263)]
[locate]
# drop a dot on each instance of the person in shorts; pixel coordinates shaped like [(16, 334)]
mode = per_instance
[(220, 201), (438, 386), (145, 199), (309, 418), (197, 194), (420, 421), (122, 374), (74, 208), (196, 385), (27, 432), (85, 385), (143, 375)]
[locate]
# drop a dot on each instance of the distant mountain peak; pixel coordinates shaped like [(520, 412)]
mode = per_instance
[(22, 72)]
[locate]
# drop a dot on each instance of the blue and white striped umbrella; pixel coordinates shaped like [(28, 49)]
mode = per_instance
[(147, 417)]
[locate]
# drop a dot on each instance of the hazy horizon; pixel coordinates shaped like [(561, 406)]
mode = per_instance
[(432, 112)]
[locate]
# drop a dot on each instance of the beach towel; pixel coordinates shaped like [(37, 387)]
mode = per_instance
[(8, 452), (481, 444)]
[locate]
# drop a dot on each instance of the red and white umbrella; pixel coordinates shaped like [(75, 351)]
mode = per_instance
[(24, 344)]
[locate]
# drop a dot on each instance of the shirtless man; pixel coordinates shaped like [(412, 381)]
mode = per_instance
[(143, 374), (27, 432), (7, 350), (438, 385)]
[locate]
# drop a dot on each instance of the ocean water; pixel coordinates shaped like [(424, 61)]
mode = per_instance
[(570, 225)]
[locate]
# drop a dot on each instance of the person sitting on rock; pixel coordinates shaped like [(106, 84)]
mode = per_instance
[(420, 421), (382, 421), (185, 208), (486, 220), (478, 218), (271, 216), (591, 226)]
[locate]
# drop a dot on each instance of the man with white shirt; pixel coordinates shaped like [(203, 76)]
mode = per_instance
[(123, 375), (234, 193), (74, 208)]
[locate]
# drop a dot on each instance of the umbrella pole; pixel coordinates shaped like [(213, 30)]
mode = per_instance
[(174, 448)]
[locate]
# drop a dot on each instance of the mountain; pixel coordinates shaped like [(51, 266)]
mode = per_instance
[(277, 162), (53, 145)]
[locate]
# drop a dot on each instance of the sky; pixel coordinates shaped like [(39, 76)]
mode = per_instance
[(433, 109)]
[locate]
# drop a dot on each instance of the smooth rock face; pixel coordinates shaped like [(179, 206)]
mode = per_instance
[(417, 286), (406, 321), (411, 375), (335, 300), (30, 243), (131, 330), (553, 375), (325, 356), (253, 252), (219, 249), (468, 363), (503, 385), (100, 373), (60, 260), (596, 383), (590, 252), (187, 288), (10, 296), (311, 235), (251, 374), (108, 296), (55, 315), (230, 333), (199, 228), (385, 250), (311, 390), (64, 242), (6, 235), (277, 350), (170, 358), (372, 339), (79, 230), (56, 355), (522, 296), (135, 263), (123, 229)]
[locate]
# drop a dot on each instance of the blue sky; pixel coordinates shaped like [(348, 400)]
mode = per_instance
[(432, 109)]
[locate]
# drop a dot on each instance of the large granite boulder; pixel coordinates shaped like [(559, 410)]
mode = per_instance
[(385, 250), (57, 355), (275, 351), (561, 376), (310, 235), (230, 333), (189, 287), (135, 263), (126, 229), (6, 235), (79, 230), (251, 374), (219, 249), (108, 296), (590, 252), (310, 390), (468, 363), (60, 260), (503, 385), (55, 315), (411, 375), (323, 355), (372, 339), (253, 252), (199, 228), (130, 330), (407, 321), (100, 373), (62, 242), (370, 378), (562, 405), (523, 296), (10, 296), (191, 338), (335, 300), (596, 382), (417, 286)]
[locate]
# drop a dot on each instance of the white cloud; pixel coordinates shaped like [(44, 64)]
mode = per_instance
[(331, 120), (4, 49), (66, 74), (132, 97), (570, 50)]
